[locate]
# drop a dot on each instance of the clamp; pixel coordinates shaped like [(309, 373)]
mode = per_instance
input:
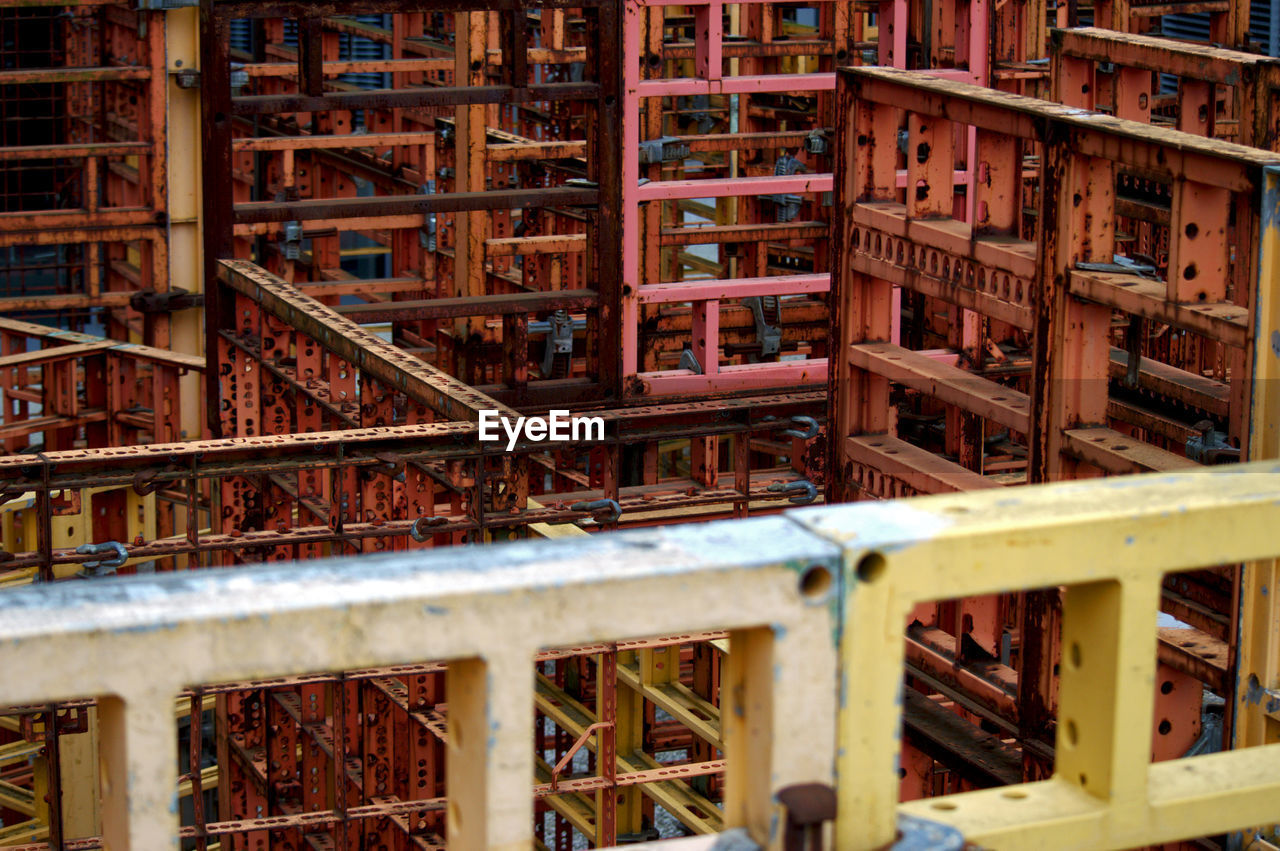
[(102, 567), (804, 487)]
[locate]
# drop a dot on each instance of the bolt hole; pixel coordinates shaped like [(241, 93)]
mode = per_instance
[(1014, 795), (816, 581), (1190, 272), (871, 567), (1073, 735), (1142, 101), (1164, 727), (1191, 230), (1166, 687), (1075, 655), (943, 805)]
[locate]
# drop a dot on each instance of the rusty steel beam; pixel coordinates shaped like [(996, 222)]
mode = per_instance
[(280, 211), (367, 352), (441, 308), (412, 98)]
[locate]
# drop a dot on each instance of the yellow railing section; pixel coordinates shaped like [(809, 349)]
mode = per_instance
[(1108, 542), (814, 602)]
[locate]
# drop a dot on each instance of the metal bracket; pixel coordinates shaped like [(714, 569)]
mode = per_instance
[(291, 244), (391, 465), (786, 205), (559, 340), (689, 361), (427, 234), (239, 76), (816, 142), (664, 150), (104, 567), (767, 311), (145, 481), (187, 78), (1210, 446)]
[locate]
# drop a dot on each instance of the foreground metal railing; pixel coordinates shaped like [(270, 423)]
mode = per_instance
[(781, 586)]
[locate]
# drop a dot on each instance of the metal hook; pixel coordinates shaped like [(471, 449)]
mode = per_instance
[(809, 423), (810, 428), (810, 493), (419, 528), (105, 567), (615, 510)]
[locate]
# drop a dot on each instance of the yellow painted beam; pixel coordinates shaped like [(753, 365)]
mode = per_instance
[(208, 780), (19, 751), (678, 701), (16, 798), (24, 832)]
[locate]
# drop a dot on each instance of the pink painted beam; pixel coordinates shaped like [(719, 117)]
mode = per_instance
[(892, 43), (733, 288), (745, 85), (754, 376), (796, 184), (632, 51), (706, 335), (709, 24)]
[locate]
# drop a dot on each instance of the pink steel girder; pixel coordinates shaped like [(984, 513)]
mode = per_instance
[(706, 297)]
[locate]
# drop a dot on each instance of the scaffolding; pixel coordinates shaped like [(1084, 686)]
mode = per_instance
[(266, 263)]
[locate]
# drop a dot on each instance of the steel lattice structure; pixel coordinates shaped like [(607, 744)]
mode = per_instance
[(266, 263)]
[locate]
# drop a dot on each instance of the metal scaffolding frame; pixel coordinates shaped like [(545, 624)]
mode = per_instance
[(397, 214)]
